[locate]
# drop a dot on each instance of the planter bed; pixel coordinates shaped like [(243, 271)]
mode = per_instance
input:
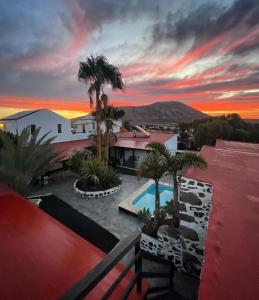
[(96, 194)]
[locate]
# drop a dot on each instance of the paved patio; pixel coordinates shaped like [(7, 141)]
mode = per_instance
[(103, 211)]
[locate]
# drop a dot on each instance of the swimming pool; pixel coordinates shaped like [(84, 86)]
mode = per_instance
[(145, 198)]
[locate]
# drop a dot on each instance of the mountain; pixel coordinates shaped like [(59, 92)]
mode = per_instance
[(162, 113)]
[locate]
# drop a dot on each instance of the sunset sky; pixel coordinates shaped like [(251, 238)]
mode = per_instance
[(202, 53)]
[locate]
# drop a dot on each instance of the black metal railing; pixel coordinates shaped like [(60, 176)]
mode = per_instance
[(92, 278)]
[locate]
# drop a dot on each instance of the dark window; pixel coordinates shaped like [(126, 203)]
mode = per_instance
[(59, 128), (93, 125), (33, 128), (83, 128)]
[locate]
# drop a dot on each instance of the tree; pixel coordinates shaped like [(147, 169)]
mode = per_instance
[(154, 166), (207, 133), (96, 72), (109, 115), (25, 159), (175, 164)]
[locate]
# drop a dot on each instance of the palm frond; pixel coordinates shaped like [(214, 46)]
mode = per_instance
[(27, 159), (191, 160)]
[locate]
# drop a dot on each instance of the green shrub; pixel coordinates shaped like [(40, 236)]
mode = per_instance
[(109, 178), (151, 224), (94, 176), (78, 158)]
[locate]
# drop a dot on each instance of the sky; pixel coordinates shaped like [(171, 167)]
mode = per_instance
[(202, 53)]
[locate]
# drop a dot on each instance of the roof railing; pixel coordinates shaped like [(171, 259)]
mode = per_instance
[(89, 281)]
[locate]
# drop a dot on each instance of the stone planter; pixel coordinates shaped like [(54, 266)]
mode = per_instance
[(96, 194)]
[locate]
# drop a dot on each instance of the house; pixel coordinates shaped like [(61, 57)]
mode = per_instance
[(49, 121), (87, 123), (130, 147), (231, 265), (84, 124)]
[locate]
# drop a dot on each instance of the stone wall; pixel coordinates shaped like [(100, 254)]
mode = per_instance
[(187, 250)]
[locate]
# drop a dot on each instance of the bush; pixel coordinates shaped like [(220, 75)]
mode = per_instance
[(109, 178), (151, 225), (96, 177), (78, 158)]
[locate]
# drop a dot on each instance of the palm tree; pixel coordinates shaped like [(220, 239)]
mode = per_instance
[(154, 166), (109, 115), (27, 158), (175, 164), (96, 71)]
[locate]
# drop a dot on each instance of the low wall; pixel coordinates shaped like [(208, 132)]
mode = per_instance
[(96, 194)]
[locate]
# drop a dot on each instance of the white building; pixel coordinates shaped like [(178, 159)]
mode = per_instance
[(87, 124), (48, 120)]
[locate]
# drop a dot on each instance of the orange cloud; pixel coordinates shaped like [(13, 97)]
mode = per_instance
[(10, 104), (246, 109)]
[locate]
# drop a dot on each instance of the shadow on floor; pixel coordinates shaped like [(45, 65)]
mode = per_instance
[(79, 223)]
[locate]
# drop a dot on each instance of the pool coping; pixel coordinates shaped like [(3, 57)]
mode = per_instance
[(127, 206)]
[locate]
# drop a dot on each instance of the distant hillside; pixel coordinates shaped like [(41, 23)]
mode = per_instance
[(253, 121), (162, 113)]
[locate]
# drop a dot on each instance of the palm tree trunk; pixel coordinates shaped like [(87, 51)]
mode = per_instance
[(175, 187), (157, 199), (107, 148), (98, 131), (175, 204)]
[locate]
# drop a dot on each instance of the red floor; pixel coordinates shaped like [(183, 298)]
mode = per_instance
[(231, 265), (40, 258)]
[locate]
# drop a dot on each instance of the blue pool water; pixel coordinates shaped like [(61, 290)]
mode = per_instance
[(147, 198)]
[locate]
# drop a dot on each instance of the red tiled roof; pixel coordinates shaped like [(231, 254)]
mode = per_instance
[(231, 264), (246, 147), (41, 259), (67, 148), (128, 140)]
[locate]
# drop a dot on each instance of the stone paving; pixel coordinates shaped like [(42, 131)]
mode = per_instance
[(104, 210)]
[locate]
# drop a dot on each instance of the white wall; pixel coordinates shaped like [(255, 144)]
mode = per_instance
[(89, 123), (171, 144), (48, 121)]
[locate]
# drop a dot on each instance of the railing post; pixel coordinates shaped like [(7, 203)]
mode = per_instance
[(138, 267), (171, 276)]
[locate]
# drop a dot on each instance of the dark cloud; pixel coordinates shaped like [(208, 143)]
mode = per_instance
[(30, 28), (246, 48), (47, 84), (207, 22), (97, 13), (248, 82)]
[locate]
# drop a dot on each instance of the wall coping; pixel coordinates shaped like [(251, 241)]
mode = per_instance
[(96, 194)]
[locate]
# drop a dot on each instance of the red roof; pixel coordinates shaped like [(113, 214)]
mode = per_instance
[(128, 140), (231, 263), (67, 148), (41, 259)]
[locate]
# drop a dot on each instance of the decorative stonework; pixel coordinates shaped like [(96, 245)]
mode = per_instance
[(187, 250), (163, 246), (96, 194)]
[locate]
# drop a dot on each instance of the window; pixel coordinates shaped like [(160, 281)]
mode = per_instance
[(59, 128), (33, 128), (93, 125), (83, 128)]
